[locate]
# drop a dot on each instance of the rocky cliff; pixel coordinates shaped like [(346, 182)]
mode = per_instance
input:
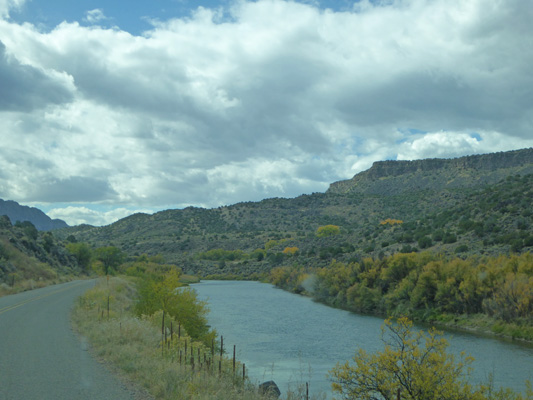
[(394, 177)]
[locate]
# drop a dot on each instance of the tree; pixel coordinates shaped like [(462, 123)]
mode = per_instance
[(48, 241), (29, 229), (328, 230), (82, 252), (413, 365), (425, 242), (110, 257), (291, 250), (181, 303)]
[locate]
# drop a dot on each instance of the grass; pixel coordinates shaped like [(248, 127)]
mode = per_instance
[(134, 347), (26, 272), (485, 325), (23, 285)]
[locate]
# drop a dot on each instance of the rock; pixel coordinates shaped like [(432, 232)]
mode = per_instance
[(270, 388)]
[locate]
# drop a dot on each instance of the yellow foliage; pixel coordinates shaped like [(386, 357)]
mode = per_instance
[(412, 366), (290, 250), (328, 230), (391, 221)]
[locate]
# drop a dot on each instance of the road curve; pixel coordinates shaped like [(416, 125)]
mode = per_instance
[(41, 358)]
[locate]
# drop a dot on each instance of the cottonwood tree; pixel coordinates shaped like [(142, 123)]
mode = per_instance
[(110, 257), (413, 365), (181, 303)]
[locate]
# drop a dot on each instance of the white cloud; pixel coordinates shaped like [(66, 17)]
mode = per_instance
[(446, 144), (95, 16), (75, 215), (7, 5), (266, 98)]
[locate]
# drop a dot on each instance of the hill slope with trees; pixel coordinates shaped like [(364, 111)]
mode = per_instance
[(29, 258), (483, 213)]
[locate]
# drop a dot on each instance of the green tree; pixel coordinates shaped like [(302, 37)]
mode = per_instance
[(425, 242), (48, 241), (110, 257), (29, 229), (82, 252)]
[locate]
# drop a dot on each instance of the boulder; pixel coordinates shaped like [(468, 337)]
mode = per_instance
[(270, 388)]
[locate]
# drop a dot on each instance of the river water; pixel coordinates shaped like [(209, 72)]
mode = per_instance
[(291, 339)]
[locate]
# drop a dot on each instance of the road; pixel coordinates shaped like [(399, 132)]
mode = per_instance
[(41, 357)]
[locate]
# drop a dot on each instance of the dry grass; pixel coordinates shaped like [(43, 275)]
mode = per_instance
[(30, 284), (27, 272), (133, 345)]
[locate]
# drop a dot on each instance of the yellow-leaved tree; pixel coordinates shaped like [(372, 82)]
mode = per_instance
[(328, 230), (415, 366), (181, 303)]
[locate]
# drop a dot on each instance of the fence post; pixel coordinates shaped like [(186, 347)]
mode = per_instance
[(221, 351), (234, 360), (163, 334)]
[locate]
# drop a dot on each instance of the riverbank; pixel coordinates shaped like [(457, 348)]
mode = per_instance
[(477, 324), (290, 338), (163, 366), (488, 295), (484, 325)]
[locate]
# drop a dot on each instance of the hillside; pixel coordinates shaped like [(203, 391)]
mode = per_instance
[(465, 206), (394, 177), (30, 258), (39, 219)]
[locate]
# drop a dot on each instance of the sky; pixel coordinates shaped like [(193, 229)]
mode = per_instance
[(111, 108)]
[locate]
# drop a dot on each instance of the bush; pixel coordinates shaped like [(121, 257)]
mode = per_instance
[(414, 366), (461, 248), (425, 242), (328, 230)]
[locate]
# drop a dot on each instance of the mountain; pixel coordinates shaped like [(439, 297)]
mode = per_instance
[(394, 177), (467, 206), (39, 219)]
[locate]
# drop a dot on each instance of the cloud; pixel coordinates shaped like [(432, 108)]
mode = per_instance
[(74, 189), (258, 99), (25, 88), (455, 144), (7, 5), (75, 215), (95, 16)]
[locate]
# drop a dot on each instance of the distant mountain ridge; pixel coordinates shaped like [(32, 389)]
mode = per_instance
[(39, 219), (395, 177)]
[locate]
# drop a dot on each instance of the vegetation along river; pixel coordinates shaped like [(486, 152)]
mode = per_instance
[(291, 339)]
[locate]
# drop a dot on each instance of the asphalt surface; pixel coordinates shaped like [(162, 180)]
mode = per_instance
[(41, 357)]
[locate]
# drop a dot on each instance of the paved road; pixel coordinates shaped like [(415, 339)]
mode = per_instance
[(41, 358)]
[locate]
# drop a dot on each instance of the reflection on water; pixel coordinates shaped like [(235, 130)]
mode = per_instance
[(292, 339)]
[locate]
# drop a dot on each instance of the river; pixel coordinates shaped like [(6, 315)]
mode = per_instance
[(291, 339)]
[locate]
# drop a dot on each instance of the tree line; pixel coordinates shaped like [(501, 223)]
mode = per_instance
[(423, 286)]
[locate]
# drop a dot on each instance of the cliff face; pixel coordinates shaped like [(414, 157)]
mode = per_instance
[(39, 219), (393, 177)]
